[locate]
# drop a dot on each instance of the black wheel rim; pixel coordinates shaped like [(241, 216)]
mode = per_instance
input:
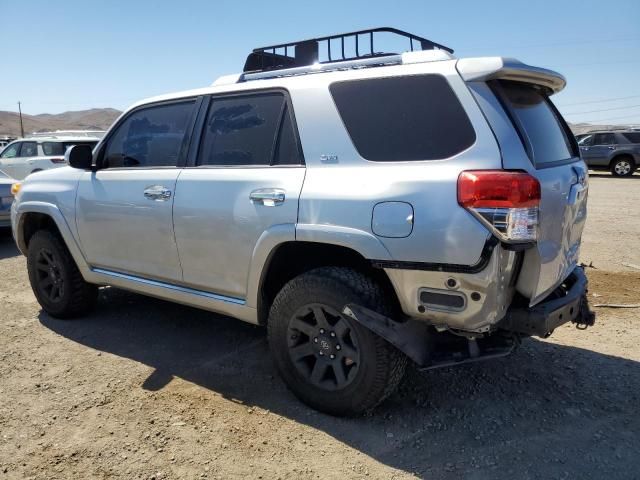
[(49, 275), (323, 347)]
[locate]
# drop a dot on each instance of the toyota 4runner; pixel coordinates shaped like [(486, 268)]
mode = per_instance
[(366, 207)]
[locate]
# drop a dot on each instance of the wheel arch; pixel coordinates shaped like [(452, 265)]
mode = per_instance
[(34, 216), (619, 155), (292, 258)]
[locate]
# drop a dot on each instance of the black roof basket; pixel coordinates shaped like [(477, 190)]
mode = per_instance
[(307, 52)]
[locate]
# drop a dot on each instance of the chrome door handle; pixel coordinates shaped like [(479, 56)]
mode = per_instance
[(157, 193), (269, 197), (611, 148)]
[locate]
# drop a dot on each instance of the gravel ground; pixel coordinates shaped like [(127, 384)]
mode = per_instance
[(147, 389)]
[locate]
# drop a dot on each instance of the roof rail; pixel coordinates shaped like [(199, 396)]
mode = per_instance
[(307, 52)]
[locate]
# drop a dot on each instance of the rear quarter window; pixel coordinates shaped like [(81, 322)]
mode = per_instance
[(632, 137), (403, 118), (542, 130)]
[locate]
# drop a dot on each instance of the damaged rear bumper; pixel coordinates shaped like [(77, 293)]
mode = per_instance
[(429, 348), (567, 303)]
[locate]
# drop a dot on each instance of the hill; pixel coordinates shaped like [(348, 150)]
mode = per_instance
[(92, 119)]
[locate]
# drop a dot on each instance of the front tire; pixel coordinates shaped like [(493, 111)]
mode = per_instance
[(328, 360), (55, 279), (623, 167)]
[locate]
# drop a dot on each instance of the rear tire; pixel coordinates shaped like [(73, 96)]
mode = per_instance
[(623, 167), (55, 278), (328, 360)]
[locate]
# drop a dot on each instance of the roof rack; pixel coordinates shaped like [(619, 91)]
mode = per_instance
[(307, 52)]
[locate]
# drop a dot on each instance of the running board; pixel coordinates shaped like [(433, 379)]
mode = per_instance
[(169, 286), (213, 302)]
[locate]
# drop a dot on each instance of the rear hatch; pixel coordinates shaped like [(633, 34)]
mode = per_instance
[(547, 150)]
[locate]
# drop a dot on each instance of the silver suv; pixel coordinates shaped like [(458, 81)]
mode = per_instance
[(367, 207)]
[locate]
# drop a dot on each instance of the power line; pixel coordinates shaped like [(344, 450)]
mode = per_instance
[(603, 110), (637, 115), (604, 100)]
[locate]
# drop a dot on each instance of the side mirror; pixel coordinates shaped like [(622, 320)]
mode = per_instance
[(79, 156)]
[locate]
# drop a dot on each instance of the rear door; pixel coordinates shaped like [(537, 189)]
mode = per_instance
[(245, 178), (555, 161)]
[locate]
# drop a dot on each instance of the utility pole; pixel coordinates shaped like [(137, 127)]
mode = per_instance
[(21, 126)]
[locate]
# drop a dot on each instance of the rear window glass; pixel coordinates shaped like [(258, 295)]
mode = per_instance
[(403, 118), (632, 137), (542, 131), (60, 148)]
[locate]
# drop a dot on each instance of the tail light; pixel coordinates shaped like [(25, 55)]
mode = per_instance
[(57, 159), (506, 201)]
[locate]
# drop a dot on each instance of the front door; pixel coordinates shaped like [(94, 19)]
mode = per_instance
[(14, 160), (246, 179), (596, 150), (124, 209)]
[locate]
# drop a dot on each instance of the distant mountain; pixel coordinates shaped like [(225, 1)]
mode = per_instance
[(93, 119), (578, 128)]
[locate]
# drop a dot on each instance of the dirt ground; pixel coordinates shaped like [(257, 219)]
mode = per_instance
[(147, 389)]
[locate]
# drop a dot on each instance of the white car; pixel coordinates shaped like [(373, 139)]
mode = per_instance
[(29, 155)]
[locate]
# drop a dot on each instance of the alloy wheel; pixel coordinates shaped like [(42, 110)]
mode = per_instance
[(623, 167), (323, 347), (49, 275)]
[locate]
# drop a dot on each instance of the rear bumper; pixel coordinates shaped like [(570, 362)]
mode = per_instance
[(565, 304)]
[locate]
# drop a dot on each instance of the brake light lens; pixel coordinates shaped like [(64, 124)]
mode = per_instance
[(506, 201), (57, 160)]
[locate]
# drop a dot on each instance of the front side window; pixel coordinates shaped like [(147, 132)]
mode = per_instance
[(29, 149), (248, 130), (11, 151), (403, 118), (604, 139), (149, 137)]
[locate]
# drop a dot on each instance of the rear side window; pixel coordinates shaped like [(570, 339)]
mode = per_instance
[(60, 148), (542, 130), (149, 137), (632, 137), (249, 130), (604, 139), (403, 118), (29, 149)]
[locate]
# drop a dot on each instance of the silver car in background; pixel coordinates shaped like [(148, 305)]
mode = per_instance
[(33, 154)]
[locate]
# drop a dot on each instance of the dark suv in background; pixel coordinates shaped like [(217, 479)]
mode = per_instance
[(617, 151)]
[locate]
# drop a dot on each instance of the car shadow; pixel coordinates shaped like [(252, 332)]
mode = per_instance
[(8, 247), (569, 409)]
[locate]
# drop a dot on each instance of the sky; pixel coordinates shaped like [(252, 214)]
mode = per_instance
[(78, 54)]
